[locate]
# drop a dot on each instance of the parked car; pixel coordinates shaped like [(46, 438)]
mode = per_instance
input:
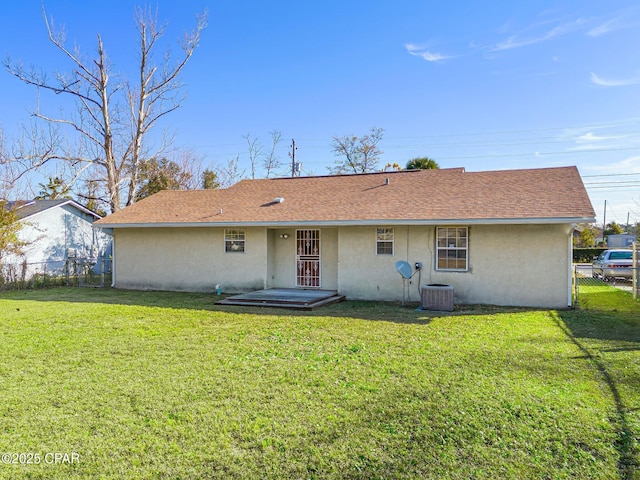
[(613, 264)]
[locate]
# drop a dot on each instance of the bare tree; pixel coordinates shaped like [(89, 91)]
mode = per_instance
[(90, 197), (255, 151), (13, 167), (112, 118), (191, 166), (271, 161), (357, 154), (230, 173), (38, 145), (6, 181)]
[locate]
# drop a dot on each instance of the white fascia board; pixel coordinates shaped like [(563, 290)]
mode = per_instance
[(356, 223), (86, 210), (82, 208)]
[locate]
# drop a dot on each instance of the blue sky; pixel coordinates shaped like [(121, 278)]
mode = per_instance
[(480, 85)]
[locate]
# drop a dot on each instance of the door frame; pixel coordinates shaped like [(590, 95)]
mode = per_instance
[(306, 256)]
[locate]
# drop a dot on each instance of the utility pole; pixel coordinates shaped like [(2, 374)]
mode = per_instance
[(293, 157), (627, 225), (604, 224)]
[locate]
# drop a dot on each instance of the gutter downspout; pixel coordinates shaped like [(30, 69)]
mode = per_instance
[(113, 260), (570, 266)]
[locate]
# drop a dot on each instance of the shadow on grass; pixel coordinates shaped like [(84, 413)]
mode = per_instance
[(607, 323), (364, 310)]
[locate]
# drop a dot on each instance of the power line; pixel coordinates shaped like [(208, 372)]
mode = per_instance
[(635, 182), (503, 132), (610, 175), (614, 188), (477, 134), (540, 154)]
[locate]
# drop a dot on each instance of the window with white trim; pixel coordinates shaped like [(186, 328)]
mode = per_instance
[(384, 241), (452, 248), (234, 240)]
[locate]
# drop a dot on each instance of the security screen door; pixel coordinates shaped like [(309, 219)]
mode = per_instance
[(308, 258)]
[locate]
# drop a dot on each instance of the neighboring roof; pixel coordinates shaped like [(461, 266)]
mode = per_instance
[(546, 195), (25, 209)]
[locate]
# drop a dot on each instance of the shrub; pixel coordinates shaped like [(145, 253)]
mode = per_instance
[(586, 255)]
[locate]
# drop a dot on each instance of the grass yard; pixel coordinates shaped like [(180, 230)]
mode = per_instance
[(167, 385)]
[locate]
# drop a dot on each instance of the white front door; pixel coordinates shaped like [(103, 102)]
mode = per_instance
[(308, 258)]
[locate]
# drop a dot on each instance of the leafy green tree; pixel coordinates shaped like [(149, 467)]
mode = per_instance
[(422, 163), (588, 235), (357, 154), (210, 180), (613, 229), (10, 242), (157, 175)]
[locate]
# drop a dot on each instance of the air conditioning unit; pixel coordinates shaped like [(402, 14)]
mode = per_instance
[(436, 296)]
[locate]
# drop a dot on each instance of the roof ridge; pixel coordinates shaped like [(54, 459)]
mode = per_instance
[(352, 175)]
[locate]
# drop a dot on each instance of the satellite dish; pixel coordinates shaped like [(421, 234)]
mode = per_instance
[(404, 269)]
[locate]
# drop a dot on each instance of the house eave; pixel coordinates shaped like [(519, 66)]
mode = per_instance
[(71, 202), (356, 223)]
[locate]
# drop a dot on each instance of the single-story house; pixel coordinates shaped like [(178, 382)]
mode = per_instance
[(54, 230), (498, 237)]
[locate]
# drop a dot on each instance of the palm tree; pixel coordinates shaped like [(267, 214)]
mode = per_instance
[(56, 188), (422, 163)]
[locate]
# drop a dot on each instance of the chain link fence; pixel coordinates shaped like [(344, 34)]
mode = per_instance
[(636, 274), (627, 279), (72, 272)]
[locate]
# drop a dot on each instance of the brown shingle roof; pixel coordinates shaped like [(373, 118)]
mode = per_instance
[(413, 196)]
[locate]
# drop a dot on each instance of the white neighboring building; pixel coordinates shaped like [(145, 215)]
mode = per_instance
[(55, 230), (623, 240)]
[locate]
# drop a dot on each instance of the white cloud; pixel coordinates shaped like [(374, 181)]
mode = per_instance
[(590, 146), (628, 165), (591, 137), (624, 20), (588, 140), (523, 38), (607, 82), (603, 28), (421, 51)]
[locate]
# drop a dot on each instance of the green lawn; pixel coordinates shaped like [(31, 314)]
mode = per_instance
[(167, 385)]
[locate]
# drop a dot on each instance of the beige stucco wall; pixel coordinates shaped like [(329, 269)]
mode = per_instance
[(520, 265), (524, 265), (365, 275), (282, 258), (509, 264), (282, 268), (190, 259)]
